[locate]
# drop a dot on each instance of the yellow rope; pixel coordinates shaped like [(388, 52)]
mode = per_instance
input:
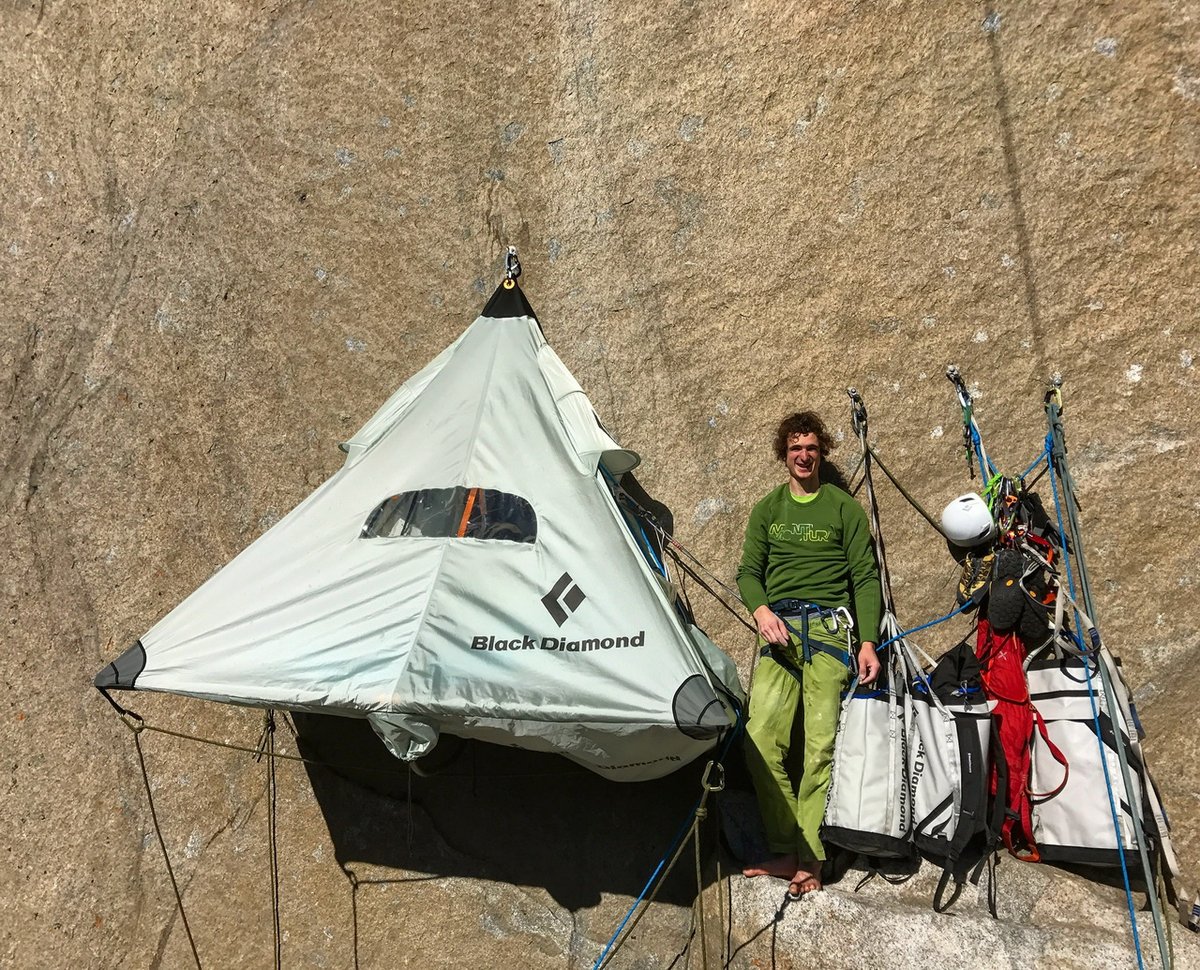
[(1160, 887), (653, 895)]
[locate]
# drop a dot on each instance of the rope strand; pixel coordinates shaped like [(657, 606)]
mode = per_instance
[(142, 725), (162, 844), (273, 834)]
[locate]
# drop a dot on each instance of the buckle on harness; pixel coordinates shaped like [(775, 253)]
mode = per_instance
[(834, 620)]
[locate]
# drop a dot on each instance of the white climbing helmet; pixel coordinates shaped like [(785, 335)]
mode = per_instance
[(967, 521)]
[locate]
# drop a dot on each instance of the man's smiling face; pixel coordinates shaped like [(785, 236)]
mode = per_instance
[(804, 460)]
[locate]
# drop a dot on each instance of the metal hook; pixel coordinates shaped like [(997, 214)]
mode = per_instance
[(512, 265), (707, 781), (955, 377), (858, 411)]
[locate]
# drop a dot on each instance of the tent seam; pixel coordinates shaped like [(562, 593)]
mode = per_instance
[(437, 572)]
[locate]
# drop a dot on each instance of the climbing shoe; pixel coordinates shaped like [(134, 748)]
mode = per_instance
[(1034, 624), (974, 578), (1006, 598)]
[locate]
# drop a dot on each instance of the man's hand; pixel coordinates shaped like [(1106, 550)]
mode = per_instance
[(868, 664), (771, 628)]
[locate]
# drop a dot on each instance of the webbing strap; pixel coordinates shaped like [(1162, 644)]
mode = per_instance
[(772, 652), (972, 806), (1055, 752), (794, 609)]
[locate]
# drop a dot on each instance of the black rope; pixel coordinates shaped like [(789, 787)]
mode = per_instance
[(137, 741), (1026, 486), (674, 547), (686, 597), (855, 470), (353, 879), (901, 489), (684, 567), (408, 801), (143, 726), (273, 830)]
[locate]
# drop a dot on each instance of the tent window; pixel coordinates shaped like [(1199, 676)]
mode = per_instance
[(460, 512)]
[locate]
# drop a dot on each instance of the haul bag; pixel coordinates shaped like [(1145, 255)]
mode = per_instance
[(867, 809), (1074, 822), (948, 773)]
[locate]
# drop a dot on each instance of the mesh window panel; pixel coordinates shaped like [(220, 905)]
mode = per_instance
[(460, 512)]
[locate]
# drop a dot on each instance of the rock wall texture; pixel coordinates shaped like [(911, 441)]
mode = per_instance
[(229, 230)]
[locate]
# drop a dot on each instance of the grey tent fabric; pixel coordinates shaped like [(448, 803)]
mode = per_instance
[(559, 639)]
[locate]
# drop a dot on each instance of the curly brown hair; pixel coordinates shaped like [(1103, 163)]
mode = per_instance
[(802, 422)]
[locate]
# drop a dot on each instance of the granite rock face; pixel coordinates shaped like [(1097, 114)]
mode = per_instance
[(230, 230)]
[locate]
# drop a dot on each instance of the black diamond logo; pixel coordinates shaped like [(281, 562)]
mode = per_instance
[(564, 594)]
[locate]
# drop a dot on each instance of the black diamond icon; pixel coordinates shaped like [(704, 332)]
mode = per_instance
[(564, 594)]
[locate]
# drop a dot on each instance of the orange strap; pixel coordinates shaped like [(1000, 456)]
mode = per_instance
[(462, 526)]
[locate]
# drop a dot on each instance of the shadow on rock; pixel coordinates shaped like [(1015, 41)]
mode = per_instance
[(483, 811)]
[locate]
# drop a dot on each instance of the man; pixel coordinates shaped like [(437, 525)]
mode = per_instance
[(807, 553)]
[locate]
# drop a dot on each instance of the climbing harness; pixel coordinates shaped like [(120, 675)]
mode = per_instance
[(835, 621)]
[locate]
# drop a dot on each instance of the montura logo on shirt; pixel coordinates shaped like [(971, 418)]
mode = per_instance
[(799, 531)]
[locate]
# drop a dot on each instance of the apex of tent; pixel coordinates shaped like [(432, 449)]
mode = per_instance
[(508, 300)]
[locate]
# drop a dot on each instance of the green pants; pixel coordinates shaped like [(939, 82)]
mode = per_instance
[(788, 718)]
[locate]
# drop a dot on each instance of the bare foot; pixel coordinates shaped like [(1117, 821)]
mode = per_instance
[(780, 866), (806, 879)]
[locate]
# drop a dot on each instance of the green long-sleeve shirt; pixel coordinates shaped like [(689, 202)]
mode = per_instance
[(818, 551)]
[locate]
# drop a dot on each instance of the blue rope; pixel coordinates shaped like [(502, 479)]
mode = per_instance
[(648, 551), (1044, 456), (657, 563), (646, 888), (1087, 670), (977, 445), (977, 441), (924, 626), (687, 824), (990, 472)]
